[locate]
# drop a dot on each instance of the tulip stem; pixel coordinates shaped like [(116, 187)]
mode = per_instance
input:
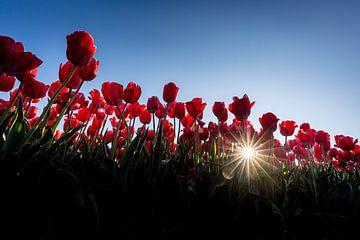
[(133, 126), (28, 107), (68, 119), (68, 103), (178, 133), (8, 108), (82, 131), (114, 143), (103, 126), (49, 104), (218, 147), (153, 116), (173, 141)]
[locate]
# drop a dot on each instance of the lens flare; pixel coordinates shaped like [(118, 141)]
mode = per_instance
[(249, 157), (248, 153)]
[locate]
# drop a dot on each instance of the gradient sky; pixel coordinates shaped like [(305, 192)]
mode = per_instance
[(297, 59)]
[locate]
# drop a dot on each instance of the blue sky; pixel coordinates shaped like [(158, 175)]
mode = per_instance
[(297, 59)]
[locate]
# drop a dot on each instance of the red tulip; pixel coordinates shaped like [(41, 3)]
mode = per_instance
[(3, 105), (322, 137), (220, 111), (109, 110), (179, 110), (100, 113), (54, 86), (35, 89), (112, 92), (27, 76), (170, 92), (268, 122), (203, 133), (83, 115), (132, 93), (80, 48), (133, 110), (345, 156), (7, 51), (13, 59), (53, 116), (150, 135), (292, 142), (318, 152), (160, 113), (187, 121), (74, 123), (346, 143), (6, 82), (33, 120), (306, 139), (64, 71), (153, 104), (188, 133), (241, 108), (171, 109), (97, 101), (145, 117), (305, 126), (287, 128), (195, 107), (31, 113), (79, 101), (297, 150), (213, 128), (332, 153), (90, 71), (357, 152)]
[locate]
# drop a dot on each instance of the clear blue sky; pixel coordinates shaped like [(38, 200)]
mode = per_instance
[(298, 59)]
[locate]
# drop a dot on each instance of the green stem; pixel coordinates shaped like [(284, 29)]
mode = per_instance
[(173, 143), (28, 107), (50, 103), (68, 103), (8, 108), (123, 119), (114, 143), (178, 133), (103, 126), (153, 116), (218, 147), (68, 120), (82, 131), (133, 126)]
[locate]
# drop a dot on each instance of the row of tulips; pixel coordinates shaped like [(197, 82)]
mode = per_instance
[(120, 106), (114, 157)]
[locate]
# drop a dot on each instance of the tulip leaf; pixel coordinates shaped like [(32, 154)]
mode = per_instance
[(16, 133), (5, 123)]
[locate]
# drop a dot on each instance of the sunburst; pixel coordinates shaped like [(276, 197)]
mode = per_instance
[(249, 158)]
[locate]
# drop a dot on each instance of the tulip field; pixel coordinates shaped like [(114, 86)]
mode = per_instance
[(102, 165)]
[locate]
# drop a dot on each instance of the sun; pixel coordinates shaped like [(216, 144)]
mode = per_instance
[(249, 158), (248, 153)]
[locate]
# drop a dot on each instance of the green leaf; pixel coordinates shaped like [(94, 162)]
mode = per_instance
[(5, 123), (129, 152), (68, 135), (16, 134), (158, 150)]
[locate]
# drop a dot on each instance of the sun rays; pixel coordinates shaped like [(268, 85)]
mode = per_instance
[(250, 157)]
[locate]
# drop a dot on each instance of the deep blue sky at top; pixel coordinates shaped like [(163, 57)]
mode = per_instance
[(298, 59)]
